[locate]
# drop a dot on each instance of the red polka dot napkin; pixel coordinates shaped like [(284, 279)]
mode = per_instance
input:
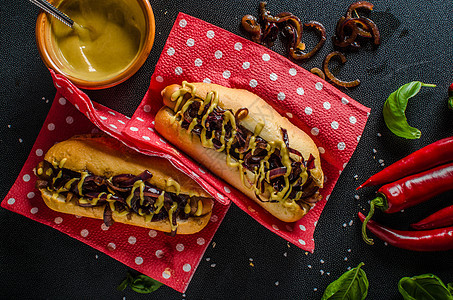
[(198, 51), (170, 260)]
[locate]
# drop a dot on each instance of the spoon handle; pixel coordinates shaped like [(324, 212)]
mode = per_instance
[(49, 8)]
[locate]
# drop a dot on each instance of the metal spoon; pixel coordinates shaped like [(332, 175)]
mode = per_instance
[(49, 8)]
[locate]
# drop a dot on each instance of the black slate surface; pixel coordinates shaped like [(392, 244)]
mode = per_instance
[(245, 261)]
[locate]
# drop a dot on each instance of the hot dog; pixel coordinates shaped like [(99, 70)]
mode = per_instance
[(243, 140), (98, 177)]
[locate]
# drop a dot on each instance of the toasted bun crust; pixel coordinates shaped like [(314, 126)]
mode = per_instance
[(105, 156), (188, 226), (259, 111)]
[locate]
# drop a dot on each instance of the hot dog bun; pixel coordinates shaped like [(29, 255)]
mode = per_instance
[(259, 114), (104, 156)]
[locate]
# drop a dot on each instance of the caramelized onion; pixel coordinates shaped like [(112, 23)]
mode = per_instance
[(251, 25), (329, 74), (350, 30), (300, 55), (252, 157), (341, 39), (241, 113), (277, 172), (359, 4), (372, 26), (108, 216), (265, 31), (319, 72)]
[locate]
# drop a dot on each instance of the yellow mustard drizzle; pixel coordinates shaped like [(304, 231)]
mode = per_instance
[(49, 172), (109, 198), (62, 162), (121, 213), (260, 174), (159, 203), (69, 183), (60, 173), (187, 208), (80, 184), (55, 197), (173, 208), (137, 184), (62, 189), (93, 201), (199, 208), (83, 200), (149, 217), (170, 182), (111, 202)]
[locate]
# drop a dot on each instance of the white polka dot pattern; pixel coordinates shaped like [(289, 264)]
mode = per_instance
[(187, 267), (198, 62), (190, 42)]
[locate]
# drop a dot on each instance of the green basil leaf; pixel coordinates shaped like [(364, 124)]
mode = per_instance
[(144, 284), (123, 285), (421, 287), (352, 285), (450, 287), (395, 110)]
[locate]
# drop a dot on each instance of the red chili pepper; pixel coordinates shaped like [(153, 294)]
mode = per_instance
[(410, 191), (435, 154), (427, 240), (441, 218)]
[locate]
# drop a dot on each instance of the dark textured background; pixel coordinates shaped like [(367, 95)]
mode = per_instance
[(245, 261)]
